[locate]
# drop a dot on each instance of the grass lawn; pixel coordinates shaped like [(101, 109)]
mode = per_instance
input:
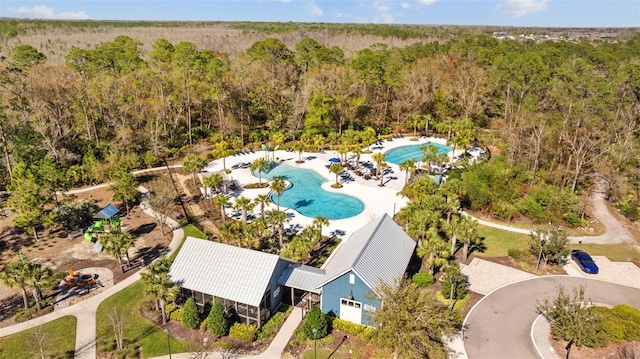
[(138, 331), (621, 252), (325, 354), (58, 339), (497, 241), (191, 230)]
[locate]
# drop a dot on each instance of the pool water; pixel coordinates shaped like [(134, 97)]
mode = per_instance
[(305, 195), (398, 155)]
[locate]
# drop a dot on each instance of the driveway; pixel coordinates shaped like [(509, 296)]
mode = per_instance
[(499, 326)]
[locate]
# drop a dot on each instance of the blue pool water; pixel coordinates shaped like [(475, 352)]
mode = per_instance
[(306, 196), (398, 155)]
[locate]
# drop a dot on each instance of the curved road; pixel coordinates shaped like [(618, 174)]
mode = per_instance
[(499, 325)]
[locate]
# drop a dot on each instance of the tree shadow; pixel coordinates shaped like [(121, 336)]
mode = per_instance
[(303, 203), (143, 229)]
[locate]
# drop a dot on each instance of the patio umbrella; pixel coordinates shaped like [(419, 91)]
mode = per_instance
[(334, 160)]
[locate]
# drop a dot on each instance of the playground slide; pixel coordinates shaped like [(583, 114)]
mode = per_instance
[(97, 227)]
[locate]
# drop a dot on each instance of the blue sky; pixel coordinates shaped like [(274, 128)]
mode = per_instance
[(542, 13)]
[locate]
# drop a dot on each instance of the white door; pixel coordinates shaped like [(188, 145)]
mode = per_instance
[(351, 311)]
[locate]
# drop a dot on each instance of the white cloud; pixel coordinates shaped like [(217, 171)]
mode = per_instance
[(517, 8), (381, 6), (45, 12), (426, 2), (315, 9), (405, 5), (384, 18)]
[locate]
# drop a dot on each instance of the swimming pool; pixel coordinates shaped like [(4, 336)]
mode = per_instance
[(399, 154), (306, 196)]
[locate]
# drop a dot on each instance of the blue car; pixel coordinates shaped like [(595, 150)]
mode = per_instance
[(584, 261)]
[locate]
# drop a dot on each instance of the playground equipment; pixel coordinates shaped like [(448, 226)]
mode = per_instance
[(106, 222)]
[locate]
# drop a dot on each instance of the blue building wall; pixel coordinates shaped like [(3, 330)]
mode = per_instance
[(276, 289), (341, 288)]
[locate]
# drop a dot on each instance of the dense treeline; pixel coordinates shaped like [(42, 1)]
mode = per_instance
[(558, 113)]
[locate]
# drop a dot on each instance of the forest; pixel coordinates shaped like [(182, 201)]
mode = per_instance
[(556, 116)]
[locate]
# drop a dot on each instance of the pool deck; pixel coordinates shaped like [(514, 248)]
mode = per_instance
[(377, 200)]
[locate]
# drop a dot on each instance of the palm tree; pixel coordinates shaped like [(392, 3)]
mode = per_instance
[(250, 236), (278, 185), (38, 277), (262, 200), (193, 164), (222, 151), (229, 230), (319, 222), (244, 204), (428, 118), (299, 147), (259, 165), (211, 183), (436, 251), (357, 151), (158, 285), (278, 219), (336, 168), (453, 190), (409, 166), (15, 275), (221, 201), (117, 244), (415, 122), (469, 234), (381, 163), (452, 229)]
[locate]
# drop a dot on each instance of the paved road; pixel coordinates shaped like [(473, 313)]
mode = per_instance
[(499, 326)]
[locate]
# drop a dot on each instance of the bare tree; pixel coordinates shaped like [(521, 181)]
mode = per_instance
[(118, 321), (161, 200), (38, 342)]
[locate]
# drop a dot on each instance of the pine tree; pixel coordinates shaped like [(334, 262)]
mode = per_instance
[(190, 315), (218, 323), (315, 320)]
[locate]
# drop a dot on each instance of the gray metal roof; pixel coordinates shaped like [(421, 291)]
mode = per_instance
[(107, 212), (303, 277), (225, 271), (378, 253)]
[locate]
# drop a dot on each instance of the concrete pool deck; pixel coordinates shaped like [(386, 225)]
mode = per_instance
[(376, 200)]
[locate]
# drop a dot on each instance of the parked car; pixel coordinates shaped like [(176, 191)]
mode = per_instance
[(584, 261)]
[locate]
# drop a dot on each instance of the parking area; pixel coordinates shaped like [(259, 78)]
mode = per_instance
[(625, 273)]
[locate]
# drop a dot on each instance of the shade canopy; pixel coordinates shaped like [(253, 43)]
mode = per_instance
[(334, 160), (107, 212)]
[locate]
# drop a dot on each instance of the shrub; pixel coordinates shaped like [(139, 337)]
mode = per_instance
[(244, 332), (518, 255), (176, 315), (190, 315), (423, 279), (352, 328), (270, 328), (453, 278), (218, 323), (315, 320), (574, 219), (204, 324)]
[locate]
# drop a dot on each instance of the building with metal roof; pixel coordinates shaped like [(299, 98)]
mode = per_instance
[(245, 281), (248, 282)]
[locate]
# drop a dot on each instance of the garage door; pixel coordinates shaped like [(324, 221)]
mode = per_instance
[(350, 310)]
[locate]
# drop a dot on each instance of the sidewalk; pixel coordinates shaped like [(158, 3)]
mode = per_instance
[(85, 311)]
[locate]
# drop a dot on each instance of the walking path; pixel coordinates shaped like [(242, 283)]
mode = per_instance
[(85, 311)]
